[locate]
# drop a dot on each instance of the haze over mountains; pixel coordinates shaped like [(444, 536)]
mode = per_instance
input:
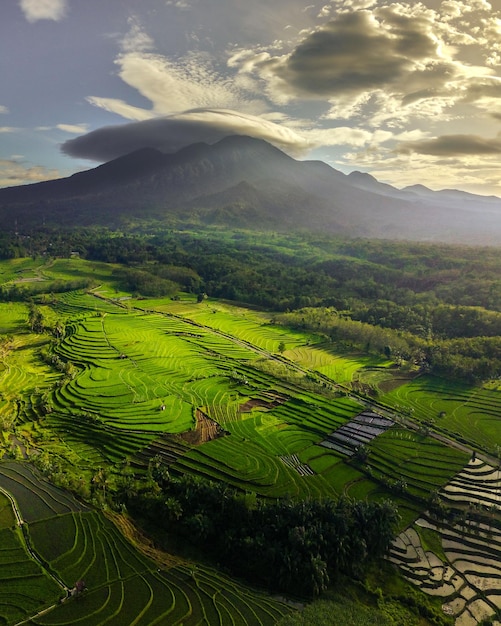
[(246, 182)]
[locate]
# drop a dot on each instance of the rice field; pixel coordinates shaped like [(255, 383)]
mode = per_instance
[(19, 269), (36, 498), (251, 327), (465, 570), (13, 317), (122, 585), (467, 414), (256, 329), (142, 374), (182, 596), (24, 588)]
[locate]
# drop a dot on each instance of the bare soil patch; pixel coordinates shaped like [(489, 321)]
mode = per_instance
[(262, 403), (206, 430)]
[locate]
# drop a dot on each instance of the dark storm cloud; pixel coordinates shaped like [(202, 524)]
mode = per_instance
[(453, 145), (354, 53), (169, 134)]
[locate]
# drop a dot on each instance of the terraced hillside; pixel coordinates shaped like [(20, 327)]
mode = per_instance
[(115, 386), (461, 412), (70, 564), (466, 572)]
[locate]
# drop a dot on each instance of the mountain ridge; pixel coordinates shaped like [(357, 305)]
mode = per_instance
[(249, 179)]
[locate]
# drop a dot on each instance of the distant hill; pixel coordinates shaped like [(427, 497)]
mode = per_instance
[(246, 182)]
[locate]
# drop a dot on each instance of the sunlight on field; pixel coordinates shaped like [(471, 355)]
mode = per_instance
[(13, 317), (250, 326), (455, 409)]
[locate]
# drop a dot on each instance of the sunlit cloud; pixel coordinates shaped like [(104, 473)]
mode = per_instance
[(345, 136), (352, 5), (76, 129), (387, 64), (354, 53), (35, 10), (121, 108), (13, 172), (478, 174), (174, 86)]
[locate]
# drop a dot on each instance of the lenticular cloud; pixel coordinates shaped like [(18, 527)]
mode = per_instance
[(169, 134)]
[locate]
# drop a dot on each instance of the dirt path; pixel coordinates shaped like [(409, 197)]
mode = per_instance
[(143, 543)]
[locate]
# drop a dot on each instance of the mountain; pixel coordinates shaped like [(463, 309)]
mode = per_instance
[(246, 182)]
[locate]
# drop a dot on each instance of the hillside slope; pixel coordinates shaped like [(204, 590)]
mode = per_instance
[(241, 181)]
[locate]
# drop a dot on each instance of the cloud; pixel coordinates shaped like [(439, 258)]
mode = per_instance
[(474, 174), (13, 173), (183, 5), (358, 51), (454, 145), (76, 129), (354, 5), (169, 134), (387, 64), (484, 93), (175, 86), (3, 109), (345, 136), (136, 40), (35, 10), (120, 107)]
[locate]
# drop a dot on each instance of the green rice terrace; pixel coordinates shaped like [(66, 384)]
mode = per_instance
[(106, 398)]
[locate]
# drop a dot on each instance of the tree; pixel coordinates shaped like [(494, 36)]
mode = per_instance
[(173, 509), (35, 318), (362, 453)]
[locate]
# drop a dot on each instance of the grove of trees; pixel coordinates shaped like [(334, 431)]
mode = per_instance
[(287, 545)]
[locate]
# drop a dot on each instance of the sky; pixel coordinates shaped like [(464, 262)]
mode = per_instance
[(409, 92)]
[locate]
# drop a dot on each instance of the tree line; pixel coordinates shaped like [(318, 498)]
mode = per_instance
[(437, 305), (472, 359)]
